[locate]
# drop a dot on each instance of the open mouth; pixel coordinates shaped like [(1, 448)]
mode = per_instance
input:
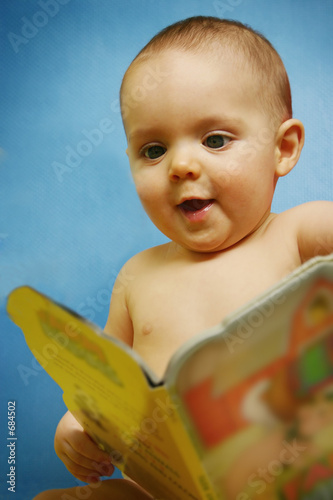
[(195, 205), (195, 209)]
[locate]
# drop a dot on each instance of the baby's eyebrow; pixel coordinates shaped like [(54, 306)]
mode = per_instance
[(139, 133), (222, 122)]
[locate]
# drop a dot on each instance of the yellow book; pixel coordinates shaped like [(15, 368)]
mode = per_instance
[(244, 410)]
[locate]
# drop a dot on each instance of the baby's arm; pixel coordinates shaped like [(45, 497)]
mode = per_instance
[(80, 454), (314, 228)]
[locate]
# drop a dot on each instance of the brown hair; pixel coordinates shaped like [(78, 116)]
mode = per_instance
[(199, 33)]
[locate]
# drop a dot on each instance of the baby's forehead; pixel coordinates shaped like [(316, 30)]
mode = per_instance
[(216, 41), (160, 66), (154, 93), (194, 75)]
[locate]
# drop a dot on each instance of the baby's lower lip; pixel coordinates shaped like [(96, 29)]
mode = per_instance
[(197, 210)]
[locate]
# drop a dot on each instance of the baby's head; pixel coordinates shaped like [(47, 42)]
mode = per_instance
[(207, 113), (216, 38)]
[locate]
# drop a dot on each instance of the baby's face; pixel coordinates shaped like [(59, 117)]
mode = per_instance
[(201, 149)]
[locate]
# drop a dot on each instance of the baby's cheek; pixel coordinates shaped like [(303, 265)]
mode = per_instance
[(150, 197), (230, 172), (143, 187)]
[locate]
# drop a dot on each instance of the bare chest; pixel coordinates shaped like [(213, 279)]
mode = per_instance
[(175, 302)]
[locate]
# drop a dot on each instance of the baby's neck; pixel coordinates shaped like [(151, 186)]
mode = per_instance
[(178, 251)]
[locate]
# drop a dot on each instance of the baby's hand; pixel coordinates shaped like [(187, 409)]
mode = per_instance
[(79, 453)]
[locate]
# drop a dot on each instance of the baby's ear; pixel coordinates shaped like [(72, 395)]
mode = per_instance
[(289, 144)]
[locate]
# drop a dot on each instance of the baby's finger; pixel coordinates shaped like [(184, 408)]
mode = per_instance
[(102, 463), (85, 468), (82, 473), (84, 446)]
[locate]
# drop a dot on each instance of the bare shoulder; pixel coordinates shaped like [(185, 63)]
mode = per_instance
[(119, 323), (139, 263), (312, 225), (309, 209)]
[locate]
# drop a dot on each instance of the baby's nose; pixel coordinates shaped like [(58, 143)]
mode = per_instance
[(184, 165)]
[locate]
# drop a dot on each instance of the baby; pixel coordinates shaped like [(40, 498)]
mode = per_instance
[(207, 113)]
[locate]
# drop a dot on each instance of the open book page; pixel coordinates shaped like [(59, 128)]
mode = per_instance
[(257, 396), (111, 393)]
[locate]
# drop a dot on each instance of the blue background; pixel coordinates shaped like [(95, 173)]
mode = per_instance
[(68, 233)]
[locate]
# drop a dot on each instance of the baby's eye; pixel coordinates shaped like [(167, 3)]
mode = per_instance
[(153, 152), (216, 141)]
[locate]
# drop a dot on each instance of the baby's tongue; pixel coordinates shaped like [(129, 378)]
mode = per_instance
[(193, 205)]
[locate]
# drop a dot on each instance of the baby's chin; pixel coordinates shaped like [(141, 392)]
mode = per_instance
[(214, 239), (204, 247)]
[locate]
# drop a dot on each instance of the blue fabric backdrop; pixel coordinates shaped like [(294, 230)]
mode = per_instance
[(69, 216)]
